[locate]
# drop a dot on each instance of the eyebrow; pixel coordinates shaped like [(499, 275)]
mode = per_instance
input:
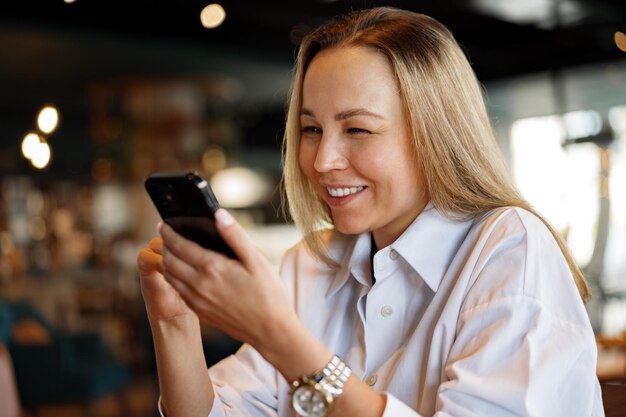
[(346, 114)]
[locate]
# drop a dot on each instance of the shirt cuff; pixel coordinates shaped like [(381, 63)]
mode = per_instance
[(394, 408)]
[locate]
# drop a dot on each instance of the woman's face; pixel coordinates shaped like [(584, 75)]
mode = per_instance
[(355, 144)]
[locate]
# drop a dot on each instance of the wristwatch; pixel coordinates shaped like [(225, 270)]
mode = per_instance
[(314, 395)]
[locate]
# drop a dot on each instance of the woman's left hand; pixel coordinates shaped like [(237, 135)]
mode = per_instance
[(245, 298)]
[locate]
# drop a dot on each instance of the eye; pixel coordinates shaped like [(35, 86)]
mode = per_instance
[(358, 131), (311, 130)]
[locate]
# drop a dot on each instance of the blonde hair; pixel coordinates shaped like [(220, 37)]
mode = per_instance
[(457, 153)]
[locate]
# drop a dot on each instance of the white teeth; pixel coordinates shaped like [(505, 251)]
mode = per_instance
[(342, 192)]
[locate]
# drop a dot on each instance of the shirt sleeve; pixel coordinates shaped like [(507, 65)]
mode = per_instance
[(396, 408), (244, 385), (523, 343), (514, 358)]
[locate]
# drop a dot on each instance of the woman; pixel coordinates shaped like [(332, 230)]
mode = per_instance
[(438, 288)]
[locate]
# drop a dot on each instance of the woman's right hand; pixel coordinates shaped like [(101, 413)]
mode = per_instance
[(181, 365), (163, 303)]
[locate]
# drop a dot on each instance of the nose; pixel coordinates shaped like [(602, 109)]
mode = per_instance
[(331, 154)]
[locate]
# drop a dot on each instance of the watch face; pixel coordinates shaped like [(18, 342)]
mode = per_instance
[(308, 402)]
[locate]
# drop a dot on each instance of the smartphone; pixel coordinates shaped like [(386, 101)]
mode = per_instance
[(186, 202)]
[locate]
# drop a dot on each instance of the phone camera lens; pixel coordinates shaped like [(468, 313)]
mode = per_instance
[(167, 199)]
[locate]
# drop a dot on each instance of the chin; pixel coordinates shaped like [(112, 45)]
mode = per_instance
[(349, 228)]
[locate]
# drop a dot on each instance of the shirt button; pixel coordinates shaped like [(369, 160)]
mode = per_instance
[(386, 311), (371, 380), (393, 255)]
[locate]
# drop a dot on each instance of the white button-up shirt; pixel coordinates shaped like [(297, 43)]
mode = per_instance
[(464, 319)]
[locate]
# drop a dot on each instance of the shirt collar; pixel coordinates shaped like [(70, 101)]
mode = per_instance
[(430, 243), (427, 245), (353, 255)]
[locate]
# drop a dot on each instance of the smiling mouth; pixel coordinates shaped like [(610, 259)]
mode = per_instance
[(344, 192)]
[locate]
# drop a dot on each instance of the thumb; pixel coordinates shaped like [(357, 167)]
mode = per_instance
[(234, 235)]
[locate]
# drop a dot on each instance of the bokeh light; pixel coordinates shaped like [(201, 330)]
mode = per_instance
[(30, 143), (212, 16), (41, 158), (48, 119), (620, 41)]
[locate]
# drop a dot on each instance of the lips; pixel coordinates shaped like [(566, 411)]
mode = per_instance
[(344, 191)]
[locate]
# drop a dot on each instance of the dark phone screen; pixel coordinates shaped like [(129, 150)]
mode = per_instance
[(185, 202)]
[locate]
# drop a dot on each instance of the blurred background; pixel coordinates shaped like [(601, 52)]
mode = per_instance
[(95, 95)]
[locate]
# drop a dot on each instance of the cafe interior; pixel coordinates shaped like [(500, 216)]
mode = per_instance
[(95, 95)]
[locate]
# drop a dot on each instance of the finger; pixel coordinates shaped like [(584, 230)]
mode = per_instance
[(179, 269), (156, 244), (186, 281), (236, 237), (187, 250), (185, 291), (149, 261)]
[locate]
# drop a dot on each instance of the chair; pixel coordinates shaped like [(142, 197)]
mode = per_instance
[(54, 367), (614, 398)]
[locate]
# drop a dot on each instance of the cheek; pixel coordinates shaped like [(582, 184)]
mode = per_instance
[(306, 159), (373, 162), (391, 171), (377, 160)]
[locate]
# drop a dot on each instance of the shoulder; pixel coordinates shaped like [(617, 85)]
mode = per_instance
[(516, 264), (509, 227), (515, 254), (507, 221)]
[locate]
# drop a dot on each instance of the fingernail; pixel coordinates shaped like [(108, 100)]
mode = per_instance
[(223, 218), (159, 226)]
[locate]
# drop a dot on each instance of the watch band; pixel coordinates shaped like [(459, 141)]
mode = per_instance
[(333, 376), (314, 395)]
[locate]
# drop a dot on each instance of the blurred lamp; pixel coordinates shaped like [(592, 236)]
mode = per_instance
[(239, 187), (212, 16), (36, 149), (42, 155), (620, 41), (48, 119), (617, 119), (582, 123), (30, 143)]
